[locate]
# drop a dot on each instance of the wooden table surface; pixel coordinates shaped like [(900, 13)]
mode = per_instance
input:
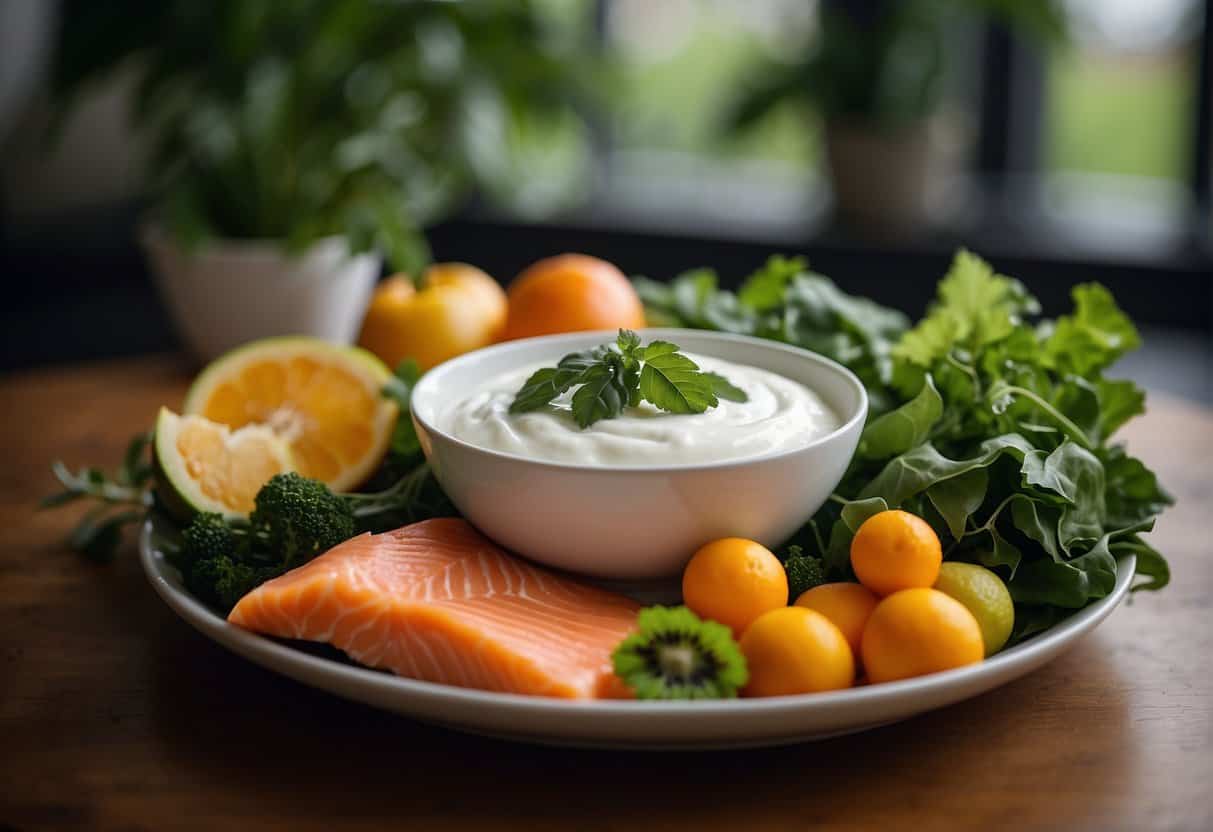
[(114, 714)]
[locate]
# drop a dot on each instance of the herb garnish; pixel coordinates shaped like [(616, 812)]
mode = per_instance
[(611, 377)]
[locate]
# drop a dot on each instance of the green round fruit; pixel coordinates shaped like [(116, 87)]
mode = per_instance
[(985, 595)]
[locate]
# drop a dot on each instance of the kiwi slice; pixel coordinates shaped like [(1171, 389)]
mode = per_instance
[(676, 655)]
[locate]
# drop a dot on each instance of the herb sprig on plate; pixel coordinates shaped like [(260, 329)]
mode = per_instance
[(611, 377)]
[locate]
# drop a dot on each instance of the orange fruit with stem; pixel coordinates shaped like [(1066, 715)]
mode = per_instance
[(455, 308)]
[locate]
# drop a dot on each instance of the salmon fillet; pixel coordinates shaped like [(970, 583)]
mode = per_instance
[(440, 602)]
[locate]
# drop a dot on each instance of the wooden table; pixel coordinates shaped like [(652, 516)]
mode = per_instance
[(116, 715)]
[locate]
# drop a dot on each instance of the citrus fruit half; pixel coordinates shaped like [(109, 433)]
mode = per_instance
[(324, 400), (205, 466)]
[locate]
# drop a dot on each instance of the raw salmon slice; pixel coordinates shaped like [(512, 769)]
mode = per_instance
[(438, 601)]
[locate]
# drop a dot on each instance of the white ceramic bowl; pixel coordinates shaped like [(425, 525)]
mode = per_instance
[(636, 522)]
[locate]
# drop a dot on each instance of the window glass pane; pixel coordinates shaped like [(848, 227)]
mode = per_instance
[(680, 63), (1121, 96)]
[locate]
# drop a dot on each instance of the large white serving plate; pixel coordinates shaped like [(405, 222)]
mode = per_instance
[(621, 724)]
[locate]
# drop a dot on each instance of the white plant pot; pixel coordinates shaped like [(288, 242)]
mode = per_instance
[(228, 292)]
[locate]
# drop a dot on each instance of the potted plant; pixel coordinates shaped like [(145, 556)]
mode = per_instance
[(875, 73), (291, 144)]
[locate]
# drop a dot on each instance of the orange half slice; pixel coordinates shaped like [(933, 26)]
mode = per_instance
[(324, 400)]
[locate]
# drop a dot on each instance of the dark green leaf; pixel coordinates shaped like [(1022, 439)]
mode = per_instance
[(682, 300), (538, 390), (764, 289), (1003, 553), (958, 497), (1078, 476), (602, 395), (1068, 584), (900, 430), (573, 365), (405, 442), (725, 389), (1039, 522), (1133, 492), (1119, 401), (921, 467), (672, 382), (546, 384), (1078, 400), (628, 342), (1150, 564)]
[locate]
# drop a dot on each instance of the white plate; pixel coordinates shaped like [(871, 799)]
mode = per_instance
[(615, 724)]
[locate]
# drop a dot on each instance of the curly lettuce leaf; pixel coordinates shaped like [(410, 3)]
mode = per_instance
[(975, 307)]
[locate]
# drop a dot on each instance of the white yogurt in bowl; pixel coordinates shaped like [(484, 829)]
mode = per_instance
[(779, 414), (636, 495)]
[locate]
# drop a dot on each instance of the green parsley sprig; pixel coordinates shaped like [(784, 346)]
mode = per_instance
[(611, 377)]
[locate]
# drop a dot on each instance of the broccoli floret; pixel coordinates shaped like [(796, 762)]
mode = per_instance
[(297, 518), (294, 520), (804, 572), (221, 581), (208, 536)]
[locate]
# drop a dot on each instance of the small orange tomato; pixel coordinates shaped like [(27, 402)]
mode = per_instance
[(458, 308), (796, 650), (895, 550), (918, 631), (847, 605), (733, 581)]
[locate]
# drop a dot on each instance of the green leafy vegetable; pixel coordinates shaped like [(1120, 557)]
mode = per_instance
[(785, 301), (611, 377), (976, 307), (405, 444), (901, 429), (676, 655), (996, 430)]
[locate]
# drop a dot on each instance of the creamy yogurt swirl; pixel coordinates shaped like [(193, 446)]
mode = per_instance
[(780, 415)]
